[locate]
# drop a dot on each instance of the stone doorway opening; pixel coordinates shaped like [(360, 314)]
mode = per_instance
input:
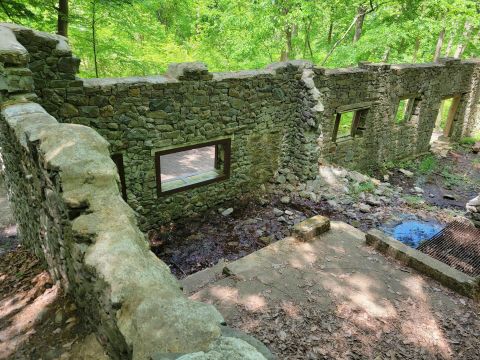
[(444, 124)]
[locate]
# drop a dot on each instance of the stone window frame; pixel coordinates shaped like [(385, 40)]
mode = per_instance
[(413, 101), (118, 160), (224, 145), (361, 111)]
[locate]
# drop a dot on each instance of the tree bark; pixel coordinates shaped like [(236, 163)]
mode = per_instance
[(461, 46), (62, 18), (438, 49), (330, 27), (415, 50), (94, 37), (308, 44), (361, 11)]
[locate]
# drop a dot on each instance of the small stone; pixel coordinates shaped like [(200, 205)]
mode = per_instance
[(418, 190), (449, 197), (277, 212), (266, 240), (281, 179), (407, 173), (285, 200), (476, 147), (227, 212), (58, 317), (373, 201), (364, 208), (288, 212)]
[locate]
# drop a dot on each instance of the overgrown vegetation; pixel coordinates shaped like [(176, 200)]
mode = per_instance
[(470, 140), (428, 165), (140, 37)]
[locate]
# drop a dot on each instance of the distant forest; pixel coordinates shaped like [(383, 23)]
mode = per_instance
[(133, 37)]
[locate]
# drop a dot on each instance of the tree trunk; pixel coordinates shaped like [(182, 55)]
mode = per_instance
[(386, 55), (461, 46), (94, 37), (438, 49), (62, 18), (330, 32), (415, 50), (308, 44), (361, 11), (288, 40), (330, 27)]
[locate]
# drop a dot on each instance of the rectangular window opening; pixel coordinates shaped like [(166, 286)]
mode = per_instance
[(406, 108), (192, 166), (349, 124)]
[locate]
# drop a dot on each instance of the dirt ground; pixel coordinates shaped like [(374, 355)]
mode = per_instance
[(37, 321)]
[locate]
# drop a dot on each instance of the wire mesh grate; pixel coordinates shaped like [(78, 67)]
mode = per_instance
[(457, 245)]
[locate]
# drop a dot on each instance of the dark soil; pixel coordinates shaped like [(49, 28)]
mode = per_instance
[(196, 244)]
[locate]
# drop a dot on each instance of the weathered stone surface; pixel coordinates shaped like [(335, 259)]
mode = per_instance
[(227, 348), (71, 213), (473, 210), (310, 228), (11, 51)]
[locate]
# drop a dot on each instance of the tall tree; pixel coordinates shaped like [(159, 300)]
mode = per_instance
[(360, 18), (62, 18), (438, 48)]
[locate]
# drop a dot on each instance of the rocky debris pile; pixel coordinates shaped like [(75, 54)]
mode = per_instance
[(473, 210), (345, 191)]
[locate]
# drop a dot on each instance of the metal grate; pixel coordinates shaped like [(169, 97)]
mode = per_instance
[(457, 245)]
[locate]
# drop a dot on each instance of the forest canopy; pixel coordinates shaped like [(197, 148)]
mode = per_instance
[(141, 37)]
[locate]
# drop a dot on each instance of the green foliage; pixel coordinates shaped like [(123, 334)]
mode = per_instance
[(428, 165), (414, 200), (471, 140), (141, 37), (452, 180), (363, 187), (345, 126), (401, 111)]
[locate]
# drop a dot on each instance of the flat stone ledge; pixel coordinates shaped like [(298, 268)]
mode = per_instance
[(311, 228), (446, 275)]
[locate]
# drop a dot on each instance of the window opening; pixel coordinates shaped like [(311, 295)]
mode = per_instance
[(192, 166), (350, 124), (446, 116)]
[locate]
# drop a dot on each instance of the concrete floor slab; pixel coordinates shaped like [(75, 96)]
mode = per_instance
[(370, 303)]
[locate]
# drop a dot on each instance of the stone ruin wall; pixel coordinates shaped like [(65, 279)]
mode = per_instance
[(278, 118), (64, 190), (381, 86)]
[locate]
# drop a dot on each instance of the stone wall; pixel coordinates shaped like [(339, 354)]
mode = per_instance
[(278, 119), (64, 191), (379, 87)]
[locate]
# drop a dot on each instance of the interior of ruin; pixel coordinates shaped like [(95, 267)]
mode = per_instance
[(173, 208)]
